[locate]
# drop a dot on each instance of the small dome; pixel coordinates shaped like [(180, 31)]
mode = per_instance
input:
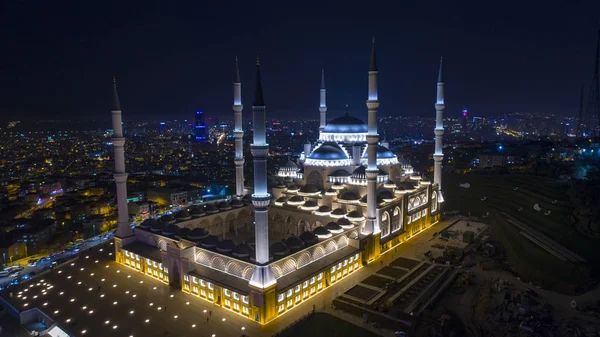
[(183, 215), (281, 199), (364, 199), (294, 242), (339, 211), (389, 184), (292, 188), (328, 151), (385, 195), (340, 173), (211, 209), (236, 203), (337, 186), (289, 166), (170, 230), (346, 124), (296, 199), (382, 153), (408, 185), (148, 223), (157, 226), (309, 238), (167, 218), (183, 233), (355, 215), (281, 184), (345, 223), (279, 249), (197, 234), (321, 232), (247, 198), (225, 246), (210, 241), (309, 188), (324, 209), (334, 227), (311, 203), (224, 206), (349, 196), (197, 211), (243, 250)]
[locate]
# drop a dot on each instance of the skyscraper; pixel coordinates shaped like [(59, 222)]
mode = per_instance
[(199, 127)]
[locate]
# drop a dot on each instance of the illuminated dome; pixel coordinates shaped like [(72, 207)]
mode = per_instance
[(382, 153), (350, 196), (328, 151), (289, 166), (346, 124), (309, 189), (359, 173)]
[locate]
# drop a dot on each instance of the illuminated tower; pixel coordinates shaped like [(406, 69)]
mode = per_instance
[(372, 138), (238, 132), (262, 276), (438, 155), (322, 104), (118, 141)]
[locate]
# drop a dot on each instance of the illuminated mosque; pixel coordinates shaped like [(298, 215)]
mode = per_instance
[(348, 200)]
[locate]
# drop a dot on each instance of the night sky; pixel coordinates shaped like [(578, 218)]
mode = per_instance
[(57, 58)]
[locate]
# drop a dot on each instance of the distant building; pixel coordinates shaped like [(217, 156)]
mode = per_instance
[(168, 196), (200, 127), (491, 160), (11, 250)]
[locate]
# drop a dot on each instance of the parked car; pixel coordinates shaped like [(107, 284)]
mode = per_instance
[(32, 262)]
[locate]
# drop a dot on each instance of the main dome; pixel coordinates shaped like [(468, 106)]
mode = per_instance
[(346, 124), (382, 153)]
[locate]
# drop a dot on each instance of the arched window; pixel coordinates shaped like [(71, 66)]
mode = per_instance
[(434, 202), (397, 219), (385, 224)]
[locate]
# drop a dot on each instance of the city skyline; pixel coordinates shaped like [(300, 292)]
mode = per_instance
[(168, 62)]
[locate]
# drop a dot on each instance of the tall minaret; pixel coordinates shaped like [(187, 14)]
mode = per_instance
[(323, 103), (118, 141), (438, 155), (262, 276), (238, 132), (372, 138)]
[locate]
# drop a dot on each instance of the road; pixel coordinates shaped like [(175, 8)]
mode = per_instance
[(41, 266)]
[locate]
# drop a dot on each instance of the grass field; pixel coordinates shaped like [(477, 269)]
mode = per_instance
[(529, 260), (322, 324)]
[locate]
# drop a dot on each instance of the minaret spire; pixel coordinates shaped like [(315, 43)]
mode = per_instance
[(322, 103), (120, 176), (438, 155), (262, 277), (372, 171), (238, 132)]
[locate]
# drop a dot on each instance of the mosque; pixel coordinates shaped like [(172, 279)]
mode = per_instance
[(347, 200)]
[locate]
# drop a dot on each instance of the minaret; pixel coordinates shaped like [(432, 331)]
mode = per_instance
[(438, 155), (262, 276), (118, 141), (372, 138), (238, 132), (323, 103)]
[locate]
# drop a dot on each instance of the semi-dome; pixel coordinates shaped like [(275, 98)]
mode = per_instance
[(294, 242), (359, 173), (197, 234), (350, 196), (334, 227), (183, 215), (328, 151), (382, 153), (309, 238), (225, 246), (289, 166), (209, 242), (346, 124)]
